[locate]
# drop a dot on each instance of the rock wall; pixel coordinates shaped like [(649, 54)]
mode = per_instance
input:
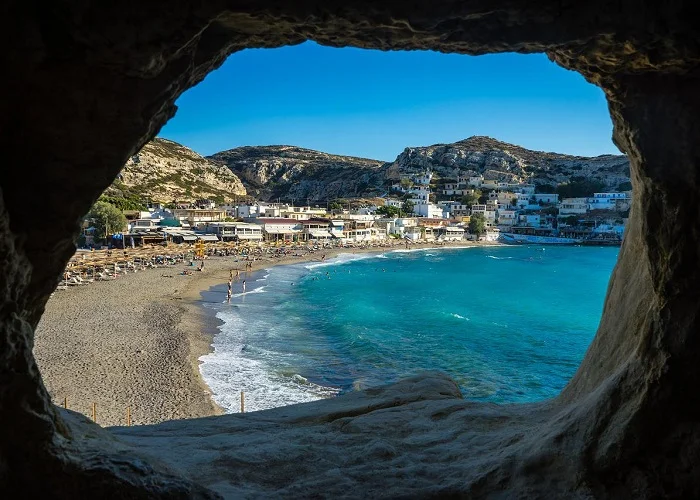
[(88, 84)]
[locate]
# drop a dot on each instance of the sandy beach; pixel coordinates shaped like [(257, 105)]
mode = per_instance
[(135, 342)]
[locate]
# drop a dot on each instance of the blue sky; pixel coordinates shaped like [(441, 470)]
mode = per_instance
[(374, 104)]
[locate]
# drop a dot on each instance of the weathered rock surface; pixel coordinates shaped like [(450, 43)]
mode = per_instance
[(294, 173), (89, 83), (507, 162), (165, 171)]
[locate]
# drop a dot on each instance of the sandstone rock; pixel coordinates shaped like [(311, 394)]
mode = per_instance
[(164, 171)]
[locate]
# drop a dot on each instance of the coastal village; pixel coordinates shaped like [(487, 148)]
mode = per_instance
[(414, 210)]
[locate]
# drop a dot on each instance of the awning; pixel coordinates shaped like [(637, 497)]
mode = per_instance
[(280, 231), (320, 234), (208, 237), (187, 237)]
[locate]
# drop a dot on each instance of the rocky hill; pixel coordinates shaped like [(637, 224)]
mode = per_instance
[(293, 173), (164, 171), (507, 162)]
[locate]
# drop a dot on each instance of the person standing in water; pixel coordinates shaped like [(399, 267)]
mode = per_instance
[(244, 285)]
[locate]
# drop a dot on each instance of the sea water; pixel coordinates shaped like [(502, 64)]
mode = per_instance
[(509, 324)]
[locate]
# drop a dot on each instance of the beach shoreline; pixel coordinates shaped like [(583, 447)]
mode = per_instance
[(136, 342)]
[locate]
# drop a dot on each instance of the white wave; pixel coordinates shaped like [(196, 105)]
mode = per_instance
[(341, 259), (498, 258), (411, 250), (263, 278), (260, 289), (228, 371), (459, 316)]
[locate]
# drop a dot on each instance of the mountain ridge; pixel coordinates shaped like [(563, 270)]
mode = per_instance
[(294, 173)]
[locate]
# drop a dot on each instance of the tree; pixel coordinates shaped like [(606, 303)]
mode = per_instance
[(579, 189), (544, 188), (477, 225), (106, 218), (388, 211), (514, 201), (472, 198), (407, 207), (571, 220), (130, 202), (335, 206)]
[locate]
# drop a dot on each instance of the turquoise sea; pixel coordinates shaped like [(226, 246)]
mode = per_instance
[(509, 324)]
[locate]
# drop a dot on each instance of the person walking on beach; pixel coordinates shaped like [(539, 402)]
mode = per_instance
[(228, 295), (238, 274)]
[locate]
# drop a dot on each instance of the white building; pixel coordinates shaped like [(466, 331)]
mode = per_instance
[(504, 198), (489, 184), (528, 189), (194, 216), (235, 231), (276, 229), (396, 226), (608, 201), (450, 233), (489, 212), (476, 181), (573, 206), (302, 213), (430, 210), (546, 199), (143, 225), (507, 217), (455, 208), (531, 220)]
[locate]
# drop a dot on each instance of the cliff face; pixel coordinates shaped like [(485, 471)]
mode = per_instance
[(507, 162), (296, 173), (164, 171), (293, 173)]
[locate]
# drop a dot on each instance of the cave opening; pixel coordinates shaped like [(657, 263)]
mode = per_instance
[(519, 343), (86, 96)]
